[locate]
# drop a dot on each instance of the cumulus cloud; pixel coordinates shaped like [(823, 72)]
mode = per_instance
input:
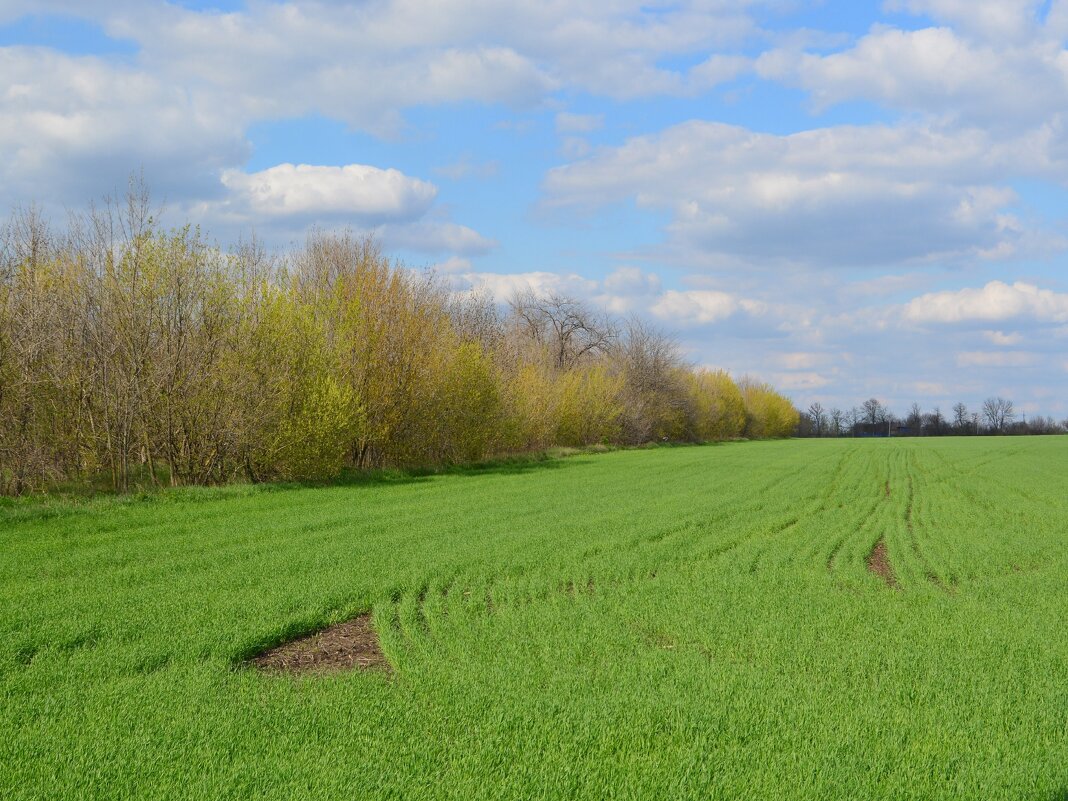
[(835, 196), (71, 127), (354, 191), (632, 281), (993, 303), (284, 200), (701, 306), (992, 19), (938, 72), (503, 286), (366, 62)]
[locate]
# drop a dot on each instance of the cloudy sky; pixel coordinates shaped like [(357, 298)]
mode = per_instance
[(847, 198)]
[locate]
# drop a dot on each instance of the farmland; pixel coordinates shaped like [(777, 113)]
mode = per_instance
[(692, 622)]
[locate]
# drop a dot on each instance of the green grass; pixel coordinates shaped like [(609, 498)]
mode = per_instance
[(668, 623)]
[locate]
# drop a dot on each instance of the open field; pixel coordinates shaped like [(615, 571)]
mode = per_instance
[(673, 623)]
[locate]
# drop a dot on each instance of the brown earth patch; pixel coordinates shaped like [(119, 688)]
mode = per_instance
[(878, 562), (352, 645)]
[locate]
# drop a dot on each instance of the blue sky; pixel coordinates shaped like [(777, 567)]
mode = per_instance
[(848, 199)]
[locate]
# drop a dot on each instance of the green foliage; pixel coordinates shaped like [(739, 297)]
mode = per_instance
[(769, 415), (684, 623), (719, 410), (589, 406), (152, 357)]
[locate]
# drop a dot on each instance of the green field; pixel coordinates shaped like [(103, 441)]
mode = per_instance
[(690, 622)]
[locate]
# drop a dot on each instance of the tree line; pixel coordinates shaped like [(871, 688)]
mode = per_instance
[(138, 355), (996, 415)]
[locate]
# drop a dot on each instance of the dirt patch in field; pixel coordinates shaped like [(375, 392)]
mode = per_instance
[(352, 645), (878, 562)]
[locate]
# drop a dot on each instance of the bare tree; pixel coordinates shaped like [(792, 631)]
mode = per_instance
[(854, 416), (818, 418), (650, 363), (837, 418), (998, 412), (914, 420), (873, 411), (960, 417), (935, 422), (566, 326)]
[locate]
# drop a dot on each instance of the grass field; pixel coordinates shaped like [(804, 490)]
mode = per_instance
[(671, 623)]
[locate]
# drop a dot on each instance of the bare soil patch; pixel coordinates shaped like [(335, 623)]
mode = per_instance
[(878, 562), (352, 645)]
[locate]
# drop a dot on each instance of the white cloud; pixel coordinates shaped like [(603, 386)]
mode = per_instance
[(992, 19), (353, 191), (1001, 338), (996, 358), (72, 127), (502, 286), (938, 72), (432, 236), (567, 122), (283, 201), (994, 302), (701, 306), (800, 360), (835, 196), (632, 281), (366, 62)]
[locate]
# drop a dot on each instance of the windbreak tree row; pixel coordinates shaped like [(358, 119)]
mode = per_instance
[(133, 355)]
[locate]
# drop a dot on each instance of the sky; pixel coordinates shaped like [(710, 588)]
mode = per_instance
[(848, 199)]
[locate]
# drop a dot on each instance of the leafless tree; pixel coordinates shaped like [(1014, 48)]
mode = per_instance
[(475, 318), (837, 418), (960, 417), (873, 411), (650, 363), (914, 420), (818, 418), (998, 412), (935, 422), (566, 326)]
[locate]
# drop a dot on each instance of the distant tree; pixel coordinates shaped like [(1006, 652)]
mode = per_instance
[(998, 413), (1041, 425), (837, 419), (873, 411), (915, 419), (818, 418), (853, 416), (935, 422), (960, 417)]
